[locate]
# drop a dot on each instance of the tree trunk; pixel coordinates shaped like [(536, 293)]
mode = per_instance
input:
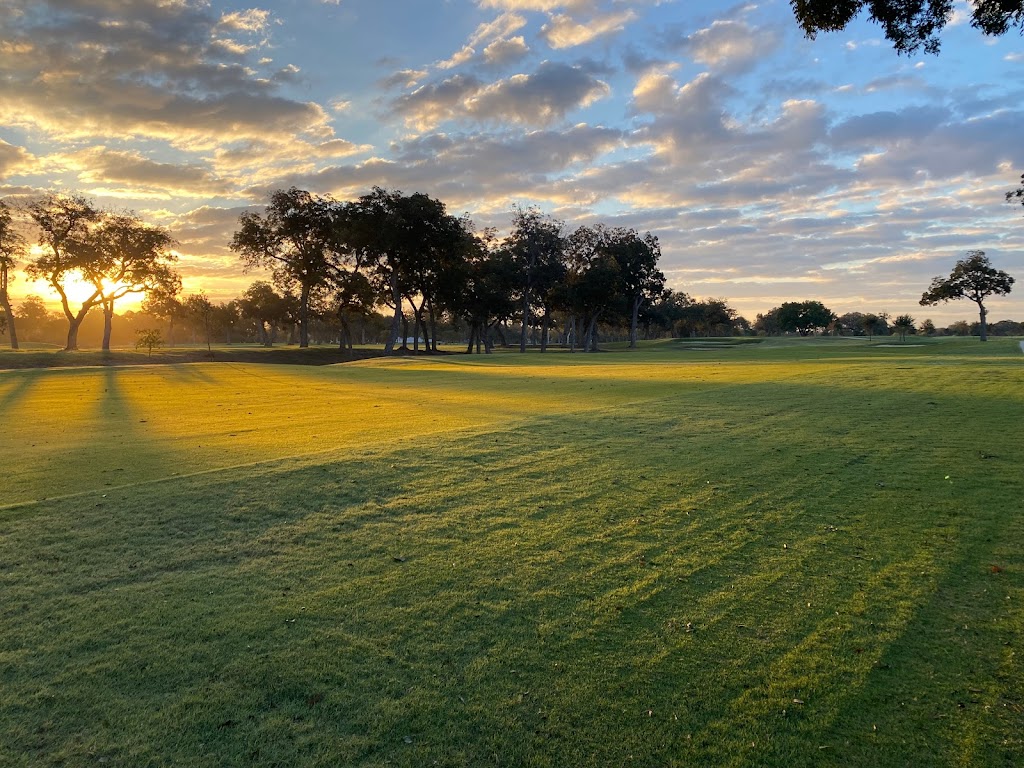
[(983, 315), (545, 324), (591, 339), (472, 333), (74, 324), (637, 302), (526, 321), (432, 341), (397, 318), (304, 316), (108, 323), (5, 302)]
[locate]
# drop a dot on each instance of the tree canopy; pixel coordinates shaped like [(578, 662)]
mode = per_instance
[(908, 24), (972, 278), (298, 239), (804, 317)]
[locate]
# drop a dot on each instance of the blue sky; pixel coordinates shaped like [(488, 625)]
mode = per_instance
[(771, 167)]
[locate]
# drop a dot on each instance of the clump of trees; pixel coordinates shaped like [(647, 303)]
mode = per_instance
[(401, 270), (425, 266), (113, 254), (802, 317)]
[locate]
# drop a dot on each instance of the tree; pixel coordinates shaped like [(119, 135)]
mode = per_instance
[(1017, 194), (12, 247), (642, 281), (34, 319), (148, 339), (666, 311), (267, 307), (65, 223), (537, 249), (298, 239), (904, 324), (488, 296), (972, 278), (408, 244), (768, 322), (128, 256), (708, 317), (351, 296), (162, 302), (225, 316), (908, 24), (804, 317), (927, 328), (200, 309), (959, 328)]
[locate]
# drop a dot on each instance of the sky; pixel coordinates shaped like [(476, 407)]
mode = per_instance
[(771, 167)]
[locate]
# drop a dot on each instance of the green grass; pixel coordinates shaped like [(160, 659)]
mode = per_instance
[(794, 553)]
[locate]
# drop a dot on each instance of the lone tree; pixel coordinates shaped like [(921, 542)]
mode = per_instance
[(200, 309), (908, 24), (148, 339), (972, 278), (903, 324), (65, 226), (129, 257), (12, 246)]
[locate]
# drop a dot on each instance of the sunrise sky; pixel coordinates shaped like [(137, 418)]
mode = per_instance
[(772, 168)]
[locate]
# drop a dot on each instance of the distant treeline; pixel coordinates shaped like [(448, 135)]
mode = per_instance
[(388, 269)]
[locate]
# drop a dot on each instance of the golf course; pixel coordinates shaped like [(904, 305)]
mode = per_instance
[(705, 552)]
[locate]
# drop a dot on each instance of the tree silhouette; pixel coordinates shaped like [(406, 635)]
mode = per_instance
[(129, 256), (65, 223), (298, 239), (907, 24), (536, 247), (972, 278), (12, 247), (904, 324)]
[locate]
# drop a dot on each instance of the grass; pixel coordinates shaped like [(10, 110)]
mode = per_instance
[(789, 553)]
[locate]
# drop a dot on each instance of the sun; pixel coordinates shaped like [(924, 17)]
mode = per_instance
[(77, 289)]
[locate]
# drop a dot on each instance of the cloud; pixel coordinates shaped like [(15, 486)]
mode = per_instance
[(252, 20), (535, 5), (537, 99), (134, 175), (502, 52), (170, 71), (484, 170), (730, 46), (564, 32), (13, 159), (466, 53), (403, 78), (503, 26)]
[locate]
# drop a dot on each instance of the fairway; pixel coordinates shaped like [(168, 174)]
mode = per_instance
[(787, 553)]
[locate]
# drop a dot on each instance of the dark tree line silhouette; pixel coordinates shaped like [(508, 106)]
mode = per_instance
[(400, 270)]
